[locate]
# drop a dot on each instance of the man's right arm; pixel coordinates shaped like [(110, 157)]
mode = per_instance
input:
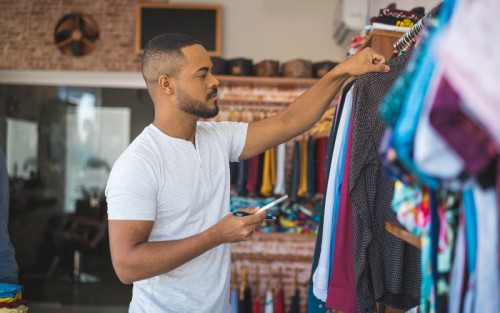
[(135, 258)]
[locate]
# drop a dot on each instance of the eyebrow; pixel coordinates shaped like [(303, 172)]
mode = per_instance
[(201, 69)]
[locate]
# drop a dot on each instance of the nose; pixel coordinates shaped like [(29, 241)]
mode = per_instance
[(214, 82)]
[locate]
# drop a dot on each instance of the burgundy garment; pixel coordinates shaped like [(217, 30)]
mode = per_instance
[(341, 289), (253, 174), (320, 147), (468, 139), (256, 305), (498, 203), (13, 304), (279, 302)]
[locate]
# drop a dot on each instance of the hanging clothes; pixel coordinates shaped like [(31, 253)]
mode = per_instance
[(269, 304), (311, 169), (245, 302), (279, 302), (242, 177), (302, 190), (234, 301), (458, 273), (488, 276), (320, 151), (455, 127), (234, 169), (269, 173), (322, 273), (244, 292), (386, 269), (279, 187), (295, 173), (295, 303), (469, 37), (253, 175), (314, 304), (436, 160), (256, 305), (341, 288)]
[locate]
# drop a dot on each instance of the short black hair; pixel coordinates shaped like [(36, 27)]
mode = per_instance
[(163, 56)]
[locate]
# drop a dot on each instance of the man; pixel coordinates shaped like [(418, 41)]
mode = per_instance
[(168, 193), (8, 264)]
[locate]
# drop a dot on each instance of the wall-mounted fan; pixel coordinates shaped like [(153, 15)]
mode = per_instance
[(76, 34)]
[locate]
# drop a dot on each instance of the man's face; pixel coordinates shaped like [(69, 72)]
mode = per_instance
[(197, 87)]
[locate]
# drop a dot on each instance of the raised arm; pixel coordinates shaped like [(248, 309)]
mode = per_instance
[(308, 108)]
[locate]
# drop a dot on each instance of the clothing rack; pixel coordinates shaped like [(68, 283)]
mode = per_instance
[(410, 36)]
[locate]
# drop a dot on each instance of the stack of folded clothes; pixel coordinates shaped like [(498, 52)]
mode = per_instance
[(391, 16), (11, 299)]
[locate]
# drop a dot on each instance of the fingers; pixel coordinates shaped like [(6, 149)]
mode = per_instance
[(365, 61), (256, 219), (250, 210), (378, 61), (382, 67), (377, 58), (252, 223)]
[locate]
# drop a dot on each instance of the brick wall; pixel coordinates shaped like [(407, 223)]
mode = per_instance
[(27, 35)]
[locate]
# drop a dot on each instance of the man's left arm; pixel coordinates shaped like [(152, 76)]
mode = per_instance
[(308, 108)]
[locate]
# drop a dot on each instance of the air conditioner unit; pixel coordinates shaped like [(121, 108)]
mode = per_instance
[(355, 13)]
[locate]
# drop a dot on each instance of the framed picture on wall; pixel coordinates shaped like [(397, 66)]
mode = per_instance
[(201, 21)]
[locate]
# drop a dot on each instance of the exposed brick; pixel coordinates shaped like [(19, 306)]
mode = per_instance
[(27, 35)]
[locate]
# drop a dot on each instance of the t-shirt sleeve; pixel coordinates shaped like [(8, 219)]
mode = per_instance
[(233, 135), (131, 190)]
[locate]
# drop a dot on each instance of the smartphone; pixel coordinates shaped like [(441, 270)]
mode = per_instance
[(264, 208)]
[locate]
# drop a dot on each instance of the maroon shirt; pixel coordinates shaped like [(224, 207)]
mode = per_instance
[(341, 289)]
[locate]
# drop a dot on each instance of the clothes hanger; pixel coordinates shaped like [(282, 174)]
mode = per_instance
[(411, 36)]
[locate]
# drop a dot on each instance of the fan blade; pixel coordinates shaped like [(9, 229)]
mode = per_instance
[(62, 35), (89, 28), (64, 42), (76, 48), (87, 42), (66, 23)]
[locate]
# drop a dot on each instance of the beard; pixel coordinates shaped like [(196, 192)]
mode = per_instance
[(198, 108)]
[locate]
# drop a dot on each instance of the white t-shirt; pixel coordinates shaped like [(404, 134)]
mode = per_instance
[(185, 190)]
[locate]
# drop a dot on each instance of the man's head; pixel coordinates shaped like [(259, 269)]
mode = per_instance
[(178, 65), (163, 56)]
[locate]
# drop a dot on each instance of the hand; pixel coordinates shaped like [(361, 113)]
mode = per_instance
[(238, 228), (365, 61)]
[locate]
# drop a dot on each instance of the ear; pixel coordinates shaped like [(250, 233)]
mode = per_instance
[(165, 84)]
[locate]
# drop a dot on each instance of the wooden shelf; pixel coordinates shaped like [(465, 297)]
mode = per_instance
[(266, 81), (382, 41)]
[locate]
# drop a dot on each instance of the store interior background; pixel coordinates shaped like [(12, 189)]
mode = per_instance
[(49, 129)]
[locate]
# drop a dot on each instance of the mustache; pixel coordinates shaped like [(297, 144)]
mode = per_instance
[(213, 92)]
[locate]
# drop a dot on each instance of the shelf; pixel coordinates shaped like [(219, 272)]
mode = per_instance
[(382, 41), (266, 81)]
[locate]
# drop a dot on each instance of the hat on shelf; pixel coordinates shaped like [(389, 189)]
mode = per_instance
[(218, 65), (323, 67), (267, 68), (299, 68), (240, 66)]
